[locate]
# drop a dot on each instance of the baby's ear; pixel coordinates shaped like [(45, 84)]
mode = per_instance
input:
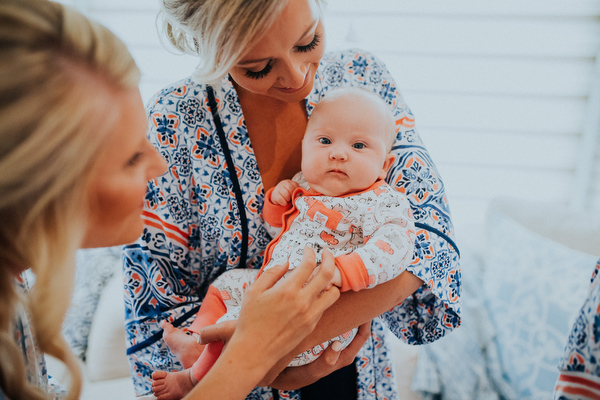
[(387, 163)]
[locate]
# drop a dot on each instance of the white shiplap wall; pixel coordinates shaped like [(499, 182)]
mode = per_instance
[(501, 90)]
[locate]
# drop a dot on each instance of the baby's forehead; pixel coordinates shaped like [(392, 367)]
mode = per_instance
[(356, 99)]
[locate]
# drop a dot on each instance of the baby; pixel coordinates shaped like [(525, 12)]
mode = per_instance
[(340, 202)]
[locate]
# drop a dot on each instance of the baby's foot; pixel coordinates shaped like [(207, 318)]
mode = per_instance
[(183, 346), (171, 385)]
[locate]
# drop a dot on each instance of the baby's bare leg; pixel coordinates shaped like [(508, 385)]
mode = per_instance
[(183, 346)]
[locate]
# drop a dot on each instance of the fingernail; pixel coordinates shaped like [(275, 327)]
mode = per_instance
[(336, 346)]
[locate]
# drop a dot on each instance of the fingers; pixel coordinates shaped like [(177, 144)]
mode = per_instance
[(318, 287), (338, 358), (331, 355), (364, 331), (270, 277), (301, 274), (320, 281), (217, 332)]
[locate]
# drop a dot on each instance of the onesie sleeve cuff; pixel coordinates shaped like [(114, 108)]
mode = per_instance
[(353, 271), (273, 213), (212, 308)]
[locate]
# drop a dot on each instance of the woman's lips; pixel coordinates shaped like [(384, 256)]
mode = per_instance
[(294, 90)]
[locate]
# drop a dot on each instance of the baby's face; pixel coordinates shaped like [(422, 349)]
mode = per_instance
[(345, 147)]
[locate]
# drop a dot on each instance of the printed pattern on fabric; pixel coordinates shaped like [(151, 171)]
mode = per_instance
[(35, 362), (375, 224), (193, 231), (580, 366), (233, 284)]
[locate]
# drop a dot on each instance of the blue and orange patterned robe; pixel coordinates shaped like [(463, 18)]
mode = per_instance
[(201, 222)]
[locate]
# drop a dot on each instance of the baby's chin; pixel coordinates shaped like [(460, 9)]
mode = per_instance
[(329, 191)]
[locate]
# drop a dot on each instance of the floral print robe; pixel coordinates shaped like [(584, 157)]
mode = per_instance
[(204, 217)]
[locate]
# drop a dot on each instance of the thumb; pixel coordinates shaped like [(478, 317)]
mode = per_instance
[(332, 353), (217, 332)]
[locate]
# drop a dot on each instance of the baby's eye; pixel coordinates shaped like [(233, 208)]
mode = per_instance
[(324, 141), (359, 145)]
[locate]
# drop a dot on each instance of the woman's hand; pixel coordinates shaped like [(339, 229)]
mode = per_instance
[(278, 313), (331, 360), (221, 331)]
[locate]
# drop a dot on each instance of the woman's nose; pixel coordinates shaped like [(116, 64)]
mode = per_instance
[(294, 74)]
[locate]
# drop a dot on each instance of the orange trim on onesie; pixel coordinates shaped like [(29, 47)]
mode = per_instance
[(288, 217), (286, 220), (333, 217), (353, 271), (273, 213), (211, 309)]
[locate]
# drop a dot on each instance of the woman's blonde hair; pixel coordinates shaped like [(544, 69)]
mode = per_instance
[(58, 71), (220, 32)]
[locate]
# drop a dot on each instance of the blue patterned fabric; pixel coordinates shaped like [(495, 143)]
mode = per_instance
[(580, 366), (35, 363), (456, 366), (193, 231)]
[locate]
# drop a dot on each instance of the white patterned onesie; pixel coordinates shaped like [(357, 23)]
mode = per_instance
[(370, 234)]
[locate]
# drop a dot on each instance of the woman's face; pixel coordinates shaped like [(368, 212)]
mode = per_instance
[(119, 180), (282, 64)]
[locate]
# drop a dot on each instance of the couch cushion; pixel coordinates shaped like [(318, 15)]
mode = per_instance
[(106, 352), (534, 287), (94, 268)]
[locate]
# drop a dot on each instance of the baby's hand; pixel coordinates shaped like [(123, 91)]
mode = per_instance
[(282, 193), (337, 278)]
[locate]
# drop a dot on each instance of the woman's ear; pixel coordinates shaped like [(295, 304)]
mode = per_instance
[(387, 163)]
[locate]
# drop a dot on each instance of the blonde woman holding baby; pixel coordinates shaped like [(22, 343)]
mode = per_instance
[(230, 132)]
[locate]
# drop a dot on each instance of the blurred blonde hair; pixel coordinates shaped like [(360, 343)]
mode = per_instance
[(58, 71), (220, 32)]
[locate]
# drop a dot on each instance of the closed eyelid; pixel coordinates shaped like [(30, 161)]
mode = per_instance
[(259, 65), (259, 74), (135, 158), (310, 32)]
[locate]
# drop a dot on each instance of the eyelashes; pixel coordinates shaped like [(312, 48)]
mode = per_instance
[(311, 46), (300, 49), (260, 74)]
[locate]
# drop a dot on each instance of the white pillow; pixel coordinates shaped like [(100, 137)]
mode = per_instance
[(534, 288), (106, 353)]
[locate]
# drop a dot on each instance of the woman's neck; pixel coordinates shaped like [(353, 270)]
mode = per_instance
[(276, 130)]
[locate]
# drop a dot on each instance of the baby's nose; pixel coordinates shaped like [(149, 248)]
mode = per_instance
[(338, 155)]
